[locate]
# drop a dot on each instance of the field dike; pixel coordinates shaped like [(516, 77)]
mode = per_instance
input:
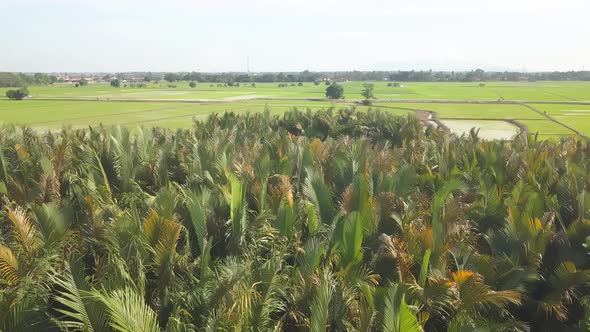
[(549, 117)]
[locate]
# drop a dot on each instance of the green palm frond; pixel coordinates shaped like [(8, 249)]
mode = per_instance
[(81, 312), (352, 239), (318, 320), (198, 209), (127, 311), (52, 223), (397, 315), (319, 194), (238, 219)]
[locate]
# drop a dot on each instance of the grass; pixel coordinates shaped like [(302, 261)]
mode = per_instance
[(542, 91), (76, 114), (56, 114), (576, 116)]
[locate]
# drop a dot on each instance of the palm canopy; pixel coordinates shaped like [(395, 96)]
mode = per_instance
[(309, 221)]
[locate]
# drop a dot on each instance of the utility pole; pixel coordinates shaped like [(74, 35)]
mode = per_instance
[(248, 64)]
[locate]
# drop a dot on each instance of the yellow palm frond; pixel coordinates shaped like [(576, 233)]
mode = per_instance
[(21, 152), (166, 244), (9, 266), (25, 231), (150, 227), (460, 277)]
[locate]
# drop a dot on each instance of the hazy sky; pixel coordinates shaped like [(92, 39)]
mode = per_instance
[(293, 35)]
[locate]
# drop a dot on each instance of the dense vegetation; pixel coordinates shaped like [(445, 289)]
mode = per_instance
[(337, 220)]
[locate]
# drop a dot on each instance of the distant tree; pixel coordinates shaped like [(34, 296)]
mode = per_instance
[(77, 85), (171, 77), (253, 85), (40, 78), (316, 83), (335, 91), (481, 85), (192, 84), (18, 94), (300, 84), (368, 91), (396, 85), (115, 83), (327, 83), (10, 80), (83, 82)]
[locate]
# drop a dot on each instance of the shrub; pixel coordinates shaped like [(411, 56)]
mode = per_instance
[(192, 84), (368, 91), (335, 91), (18, 94)]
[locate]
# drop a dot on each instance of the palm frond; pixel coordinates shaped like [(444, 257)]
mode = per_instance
[(9, 266), (127, 311), (318, 320), (24, 230)]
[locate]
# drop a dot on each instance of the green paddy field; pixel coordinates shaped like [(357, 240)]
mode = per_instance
[(63, 105)]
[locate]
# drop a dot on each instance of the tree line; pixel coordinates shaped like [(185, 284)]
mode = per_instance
[(8, 80), (402, 76), (21, 79)]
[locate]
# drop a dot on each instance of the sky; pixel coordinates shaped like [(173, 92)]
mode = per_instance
[(293, 35)]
